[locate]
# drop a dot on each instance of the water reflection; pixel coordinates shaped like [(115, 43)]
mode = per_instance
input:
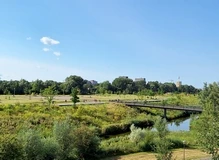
[(180, 125)]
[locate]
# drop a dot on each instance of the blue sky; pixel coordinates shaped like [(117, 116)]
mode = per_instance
[(101, 40)]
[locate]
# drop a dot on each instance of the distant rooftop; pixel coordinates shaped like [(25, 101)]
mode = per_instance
[(140, 79)]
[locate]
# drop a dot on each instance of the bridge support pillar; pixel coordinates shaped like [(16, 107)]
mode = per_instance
[(165, 113)]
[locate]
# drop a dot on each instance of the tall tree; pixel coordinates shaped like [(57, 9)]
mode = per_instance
[(24, 86), (153, 85), (168, 87), (140, 85), (105, 87), (123, 85), (74, 96), (37, 86), (73, 82), (207, 125)]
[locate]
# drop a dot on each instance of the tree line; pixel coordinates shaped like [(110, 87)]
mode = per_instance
[(120, 85)]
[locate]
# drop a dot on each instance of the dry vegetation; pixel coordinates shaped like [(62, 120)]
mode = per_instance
[(190, 154)]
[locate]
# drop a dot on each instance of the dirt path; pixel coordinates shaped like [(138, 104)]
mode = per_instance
[(190, 154)]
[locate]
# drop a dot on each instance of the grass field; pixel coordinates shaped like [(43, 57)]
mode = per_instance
[(23, 99), (190, 154)]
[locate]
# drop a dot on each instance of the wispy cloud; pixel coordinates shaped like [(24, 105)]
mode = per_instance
[(57, 54), (28, 38), (46, 49), (48, 41)]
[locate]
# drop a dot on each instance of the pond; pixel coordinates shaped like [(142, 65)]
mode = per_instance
[(180, 124)]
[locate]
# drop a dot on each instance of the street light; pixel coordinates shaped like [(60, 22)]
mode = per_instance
[(184, 156)]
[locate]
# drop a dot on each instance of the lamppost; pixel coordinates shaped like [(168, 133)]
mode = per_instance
[(14, 91), (184, 156)]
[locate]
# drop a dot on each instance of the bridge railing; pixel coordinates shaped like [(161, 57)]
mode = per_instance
[(148, 103), (134, 103)]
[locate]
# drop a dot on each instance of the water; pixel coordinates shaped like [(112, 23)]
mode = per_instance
[(180, 125)]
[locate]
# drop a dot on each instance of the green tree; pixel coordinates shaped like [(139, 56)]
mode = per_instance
[(74, 96), (140, 85), (49, 93), (24, 87), (162, 144), (73, 82), (87, 87), (168, 87), (207, 125), (153, 85), (37, 86), (104, 87), (123, 85)]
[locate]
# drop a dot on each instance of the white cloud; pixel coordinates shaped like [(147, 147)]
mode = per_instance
[(28, 38), (48, 41), (57, 54), (46, 49)]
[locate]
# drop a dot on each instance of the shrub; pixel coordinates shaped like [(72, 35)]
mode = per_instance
[(118, 145), (137, 134), (114, 129), (76, 142), (10, 148), (33, 145), (86, 142), (51, 148), (63, 134), (142, 137)]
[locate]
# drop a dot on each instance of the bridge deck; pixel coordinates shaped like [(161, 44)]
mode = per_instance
[(184, 108)]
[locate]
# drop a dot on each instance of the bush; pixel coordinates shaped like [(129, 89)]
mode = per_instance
[(63, 134), (142, 137), (76, 142), (118, 128), (117, 146), (51, 148), (86, 142), (114, 129), (33, 145), (175, 143), (137, 134), (10, 148)]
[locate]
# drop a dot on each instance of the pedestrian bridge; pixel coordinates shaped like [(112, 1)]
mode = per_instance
[(197, 109)]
